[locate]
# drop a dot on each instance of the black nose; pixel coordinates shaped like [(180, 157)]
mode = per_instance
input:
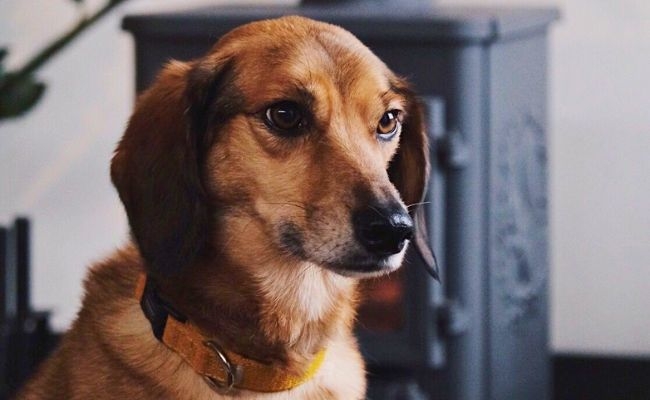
[(383, 231)]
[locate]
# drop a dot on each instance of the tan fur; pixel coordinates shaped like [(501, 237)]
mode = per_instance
[(200, 172)]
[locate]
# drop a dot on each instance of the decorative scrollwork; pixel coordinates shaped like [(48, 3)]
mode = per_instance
[(520, 217)]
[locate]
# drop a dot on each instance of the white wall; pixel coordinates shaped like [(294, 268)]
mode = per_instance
[(54, 164), (601, 177)]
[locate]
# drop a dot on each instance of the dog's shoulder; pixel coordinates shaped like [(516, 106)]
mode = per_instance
[(111, 282), (90, 354)]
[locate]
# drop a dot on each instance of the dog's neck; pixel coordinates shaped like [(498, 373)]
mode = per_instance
[(280, 312), (305, 296)]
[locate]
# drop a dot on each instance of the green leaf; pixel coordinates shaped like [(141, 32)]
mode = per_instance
[(18, 96)]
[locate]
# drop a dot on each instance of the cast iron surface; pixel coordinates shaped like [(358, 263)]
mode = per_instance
[(391, 21), (482, 333)]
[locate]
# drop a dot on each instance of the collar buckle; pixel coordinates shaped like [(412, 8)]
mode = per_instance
[(233, 373)]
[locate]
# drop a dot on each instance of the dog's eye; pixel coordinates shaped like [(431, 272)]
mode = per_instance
[(285, 117), (388, 125)]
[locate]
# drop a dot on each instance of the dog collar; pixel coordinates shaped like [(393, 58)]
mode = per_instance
[(222, 370)]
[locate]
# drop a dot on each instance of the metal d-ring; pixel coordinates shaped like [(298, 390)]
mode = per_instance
[(215, 384)]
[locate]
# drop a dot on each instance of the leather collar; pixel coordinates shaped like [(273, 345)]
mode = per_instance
[(223, 370)]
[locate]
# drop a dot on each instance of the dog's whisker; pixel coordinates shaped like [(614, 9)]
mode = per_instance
[(378, 212), (322, 245), (288, 203), (417, 204)]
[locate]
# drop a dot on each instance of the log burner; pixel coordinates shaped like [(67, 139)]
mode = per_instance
[(482, 332)]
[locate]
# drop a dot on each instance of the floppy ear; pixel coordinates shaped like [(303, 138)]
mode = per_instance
[(409, 172), (157, 167)]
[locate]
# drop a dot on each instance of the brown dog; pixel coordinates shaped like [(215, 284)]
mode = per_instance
[(259, 181)]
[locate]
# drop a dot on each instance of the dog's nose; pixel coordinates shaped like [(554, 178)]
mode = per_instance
[(383, 231)]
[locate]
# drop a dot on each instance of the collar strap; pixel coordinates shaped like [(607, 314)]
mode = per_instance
[(222, 370)]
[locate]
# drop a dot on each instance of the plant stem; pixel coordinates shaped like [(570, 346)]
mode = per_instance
[(53, 48)]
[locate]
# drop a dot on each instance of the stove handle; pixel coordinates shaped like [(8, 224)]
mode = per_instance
[(448, 153)]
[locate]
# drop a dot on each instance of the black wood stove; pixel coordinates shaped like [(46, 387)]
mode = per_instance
[(25, 335), (482, 332)]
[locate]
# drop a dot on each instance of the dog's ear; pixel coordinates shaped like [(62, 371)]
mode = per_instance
[(409, 172), (157, 166)]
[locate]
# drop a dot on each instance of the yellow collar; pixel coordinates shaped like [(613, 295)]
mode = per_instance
[(222, 370)]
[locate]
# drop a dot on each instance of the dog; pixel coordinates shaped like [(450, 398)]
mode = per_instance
[(261, 182)]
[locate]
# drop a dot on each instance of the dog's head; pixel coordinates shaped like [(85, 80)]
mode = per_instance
[(288, 128)]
